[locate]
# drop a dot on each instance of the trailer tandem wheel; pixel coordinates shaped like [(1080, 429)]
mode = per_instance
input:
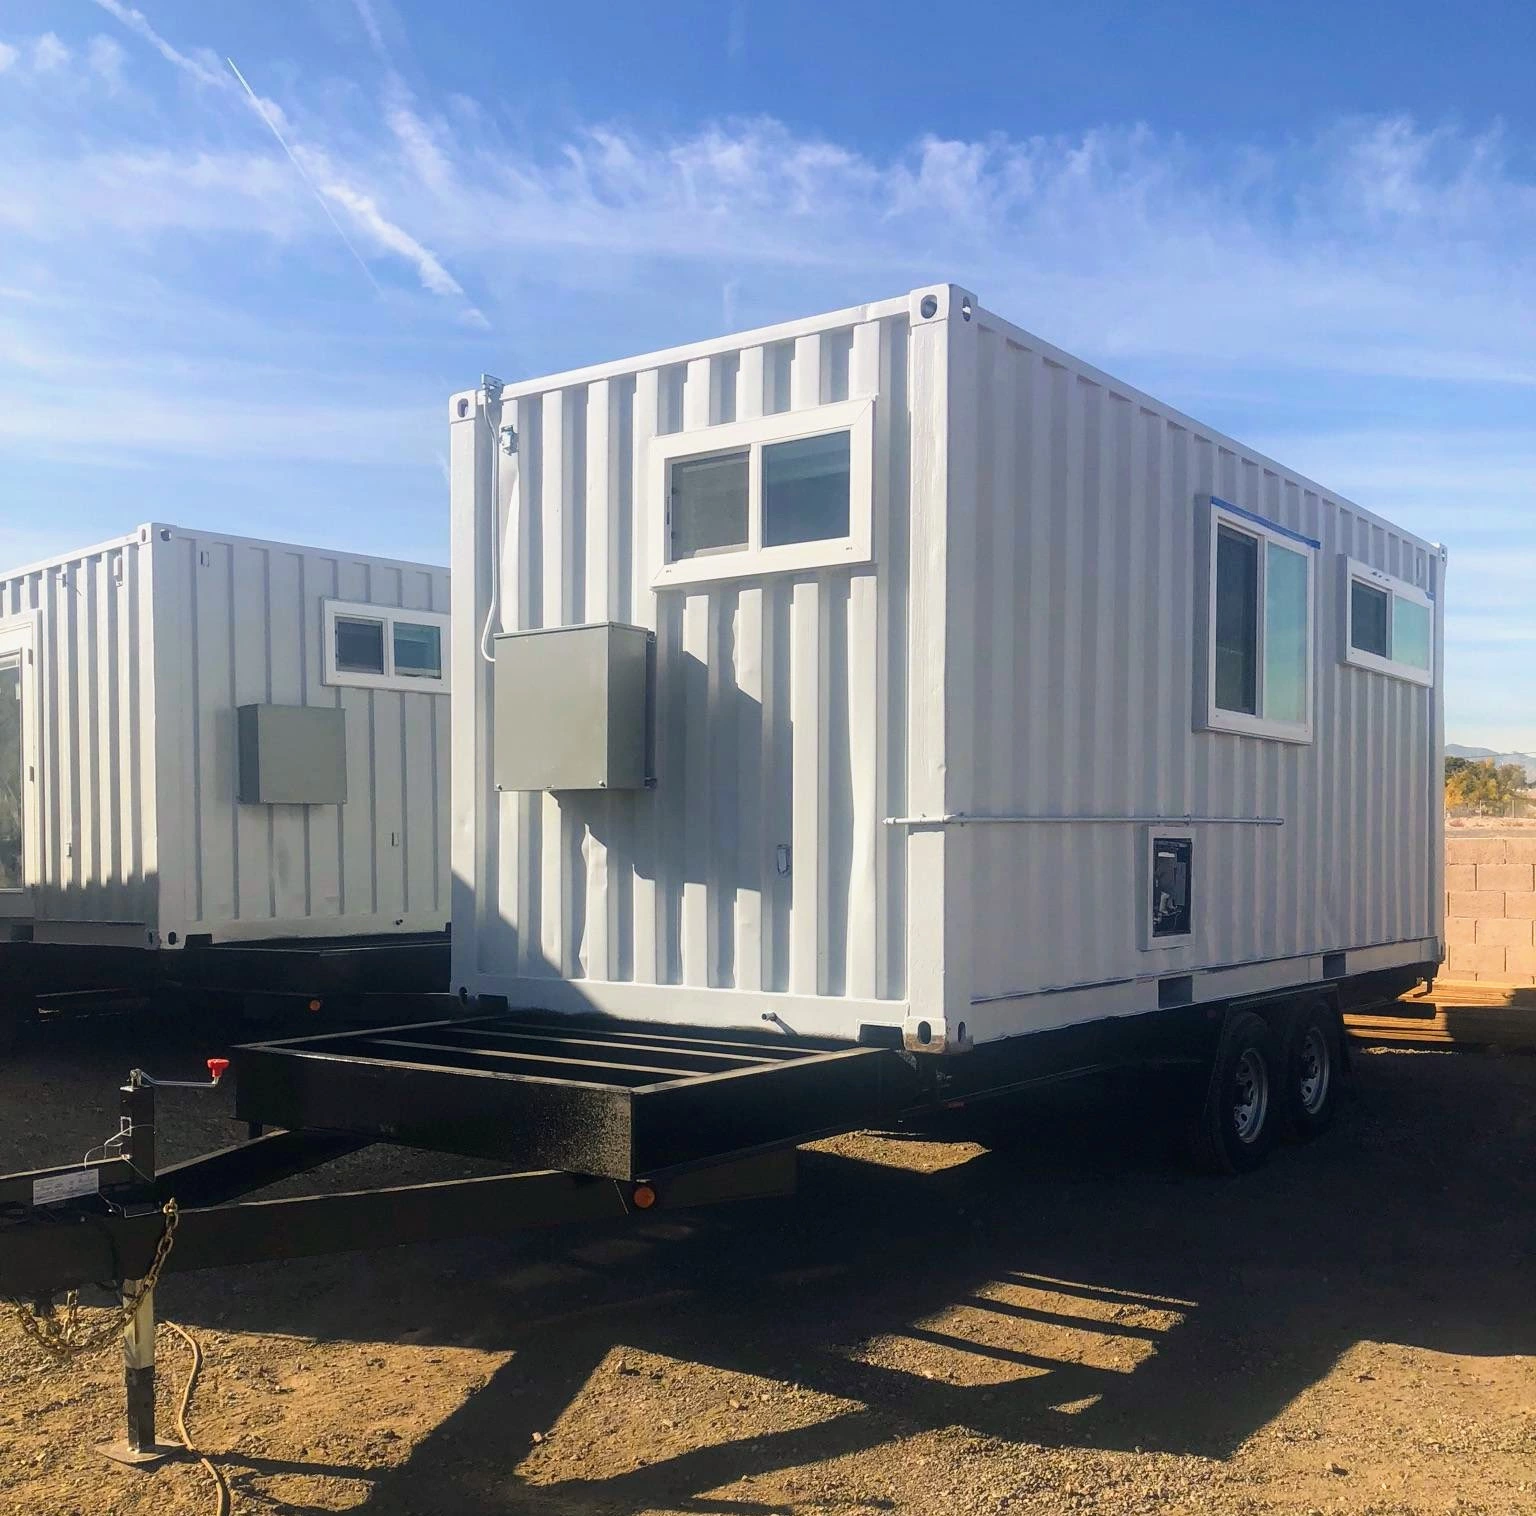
[(1312, 1069), (1238, 1119)]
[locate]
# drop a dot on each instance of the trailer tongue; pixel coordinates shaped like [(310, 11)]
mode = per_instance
[(592, 1123)]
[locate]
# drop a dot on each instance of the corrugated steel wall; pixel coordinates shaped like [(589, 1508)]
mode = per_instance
[(96, 770), (240, 622), (1083, 520), (759, 862)]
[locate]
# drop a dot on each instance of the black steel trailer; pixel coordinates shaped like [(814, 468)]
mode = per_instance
[(591, 1118), (591, 1121), (339, 976)]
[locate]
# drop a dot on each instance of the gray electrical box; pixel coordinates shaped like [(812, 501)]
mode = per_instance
[(292, 755), (573, 708)]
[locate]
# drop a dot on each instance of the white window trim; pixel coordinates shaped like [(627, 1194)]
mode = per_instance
[(1208, 715), (856, 417), (1150, 834), (388, 616), (1357, 657)]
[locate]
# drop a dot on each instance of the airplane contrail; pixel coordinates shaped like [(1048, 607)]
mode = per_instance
[(299, 168)]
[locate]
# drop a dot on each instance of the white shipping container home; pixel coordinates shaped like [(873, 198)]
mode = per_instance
[(983, 696), (209, 740)]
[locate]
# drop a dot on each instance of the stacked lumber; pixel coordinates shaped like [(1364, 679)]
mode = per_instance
[(1453, 1015)]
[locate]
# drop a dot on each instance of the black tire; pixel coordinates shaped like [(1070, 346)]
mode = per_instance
[(1312, 1067), (10, 1027), (1239, 1117)]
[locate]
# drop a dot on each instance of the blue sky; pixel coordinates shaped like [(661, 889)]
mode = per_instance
[(1308, 224)]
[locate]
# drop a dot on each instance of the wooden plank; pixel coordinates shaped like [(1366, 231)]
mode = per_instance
[(1469, 1016)]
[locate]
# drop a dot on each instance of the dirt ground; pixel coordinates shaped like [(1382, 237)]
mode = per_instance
[(1027, 1310)]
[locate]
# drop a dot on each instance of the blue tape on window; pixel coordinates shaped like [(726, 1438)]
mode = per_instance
[(1264, 521)]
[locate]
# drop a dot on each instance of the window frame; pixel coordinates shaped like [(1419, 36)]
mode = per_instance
[(856, 417), (1354, 571), (388, 616), (1218, 513), (1151, 834)]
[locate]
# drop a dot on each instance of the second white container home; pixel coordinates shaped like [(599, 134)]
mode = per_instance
[(217, 742)]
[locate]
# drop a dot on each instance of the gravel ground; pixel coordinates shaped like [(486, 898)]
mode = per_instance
[(1031, 1309)]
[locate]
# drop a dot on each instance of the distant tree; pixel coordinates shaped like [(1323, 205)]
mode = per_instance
[(1482, 785)]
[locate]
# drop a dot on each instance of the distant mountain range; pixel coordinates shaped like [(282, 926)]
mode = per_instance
[(1527, 761)]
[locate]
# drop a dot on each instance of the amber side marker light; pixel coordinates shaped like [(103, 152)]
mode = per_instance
[(315, 1005), (644, 1197)]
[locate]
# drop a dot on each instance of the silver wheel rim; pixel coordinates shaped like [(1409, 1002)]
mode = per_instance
[(1250, 1100), (1316, 1071)]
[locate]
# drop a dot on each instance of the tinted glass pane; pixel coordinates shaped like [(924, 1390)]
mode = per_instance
[(1410, 632), (359, 645), (1171, 864), (805, 490), (1285, 634), (1237, 622), (418, 650), (10, 777), (1368, 618), (709, 504)]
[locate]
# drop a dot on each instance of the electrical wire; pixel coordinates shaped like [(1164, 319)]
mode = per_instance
[(493, 610), (221, 1485)]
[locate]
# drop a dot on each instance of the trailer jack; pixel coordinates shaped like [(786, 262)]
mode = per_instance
[(120, 1217)]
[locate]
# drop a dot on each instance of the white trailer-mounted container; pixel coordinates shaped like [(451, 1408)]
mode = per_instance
[(987, 696), (219, 742)]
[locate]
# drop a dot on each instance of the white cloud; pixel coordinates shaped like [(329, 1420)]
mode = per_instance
[(8, 56), (315, 166), (48, 53), (204, 69), (369, 18), (1362, 300), (365, 212), (105, 59)]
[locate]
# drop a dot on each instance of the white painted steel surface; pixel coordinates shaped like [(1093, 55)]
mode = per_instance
[(1080, 506), (144, 647), (1019, 645)]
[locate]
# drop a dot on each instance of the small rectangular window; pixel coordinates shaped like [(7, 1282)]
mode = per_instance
[(1172, 864), (805, 489), (1237, 622), (359, 645), (1285, 634), (1165, 887), (708, 505), (1391, 624), (1254, 626), (383, 647), (771, 494), (1368, 612), (418, 650), (1412, 632)]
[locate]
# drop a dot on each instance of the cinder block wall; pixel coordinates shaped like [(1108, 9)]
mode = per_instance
[(1490, 909)]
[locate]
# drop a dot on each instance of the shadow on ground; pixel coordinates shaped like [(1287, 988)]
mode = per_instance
[(1257, 1286), (1230, 1297)]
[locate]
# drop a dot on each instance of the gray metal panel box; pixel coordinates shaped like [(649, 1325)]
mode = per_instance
[(292, 755), (572, 708)]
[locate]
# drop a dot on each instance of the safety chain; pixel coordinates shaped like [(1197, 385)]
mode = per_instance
[(59, 1333)]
